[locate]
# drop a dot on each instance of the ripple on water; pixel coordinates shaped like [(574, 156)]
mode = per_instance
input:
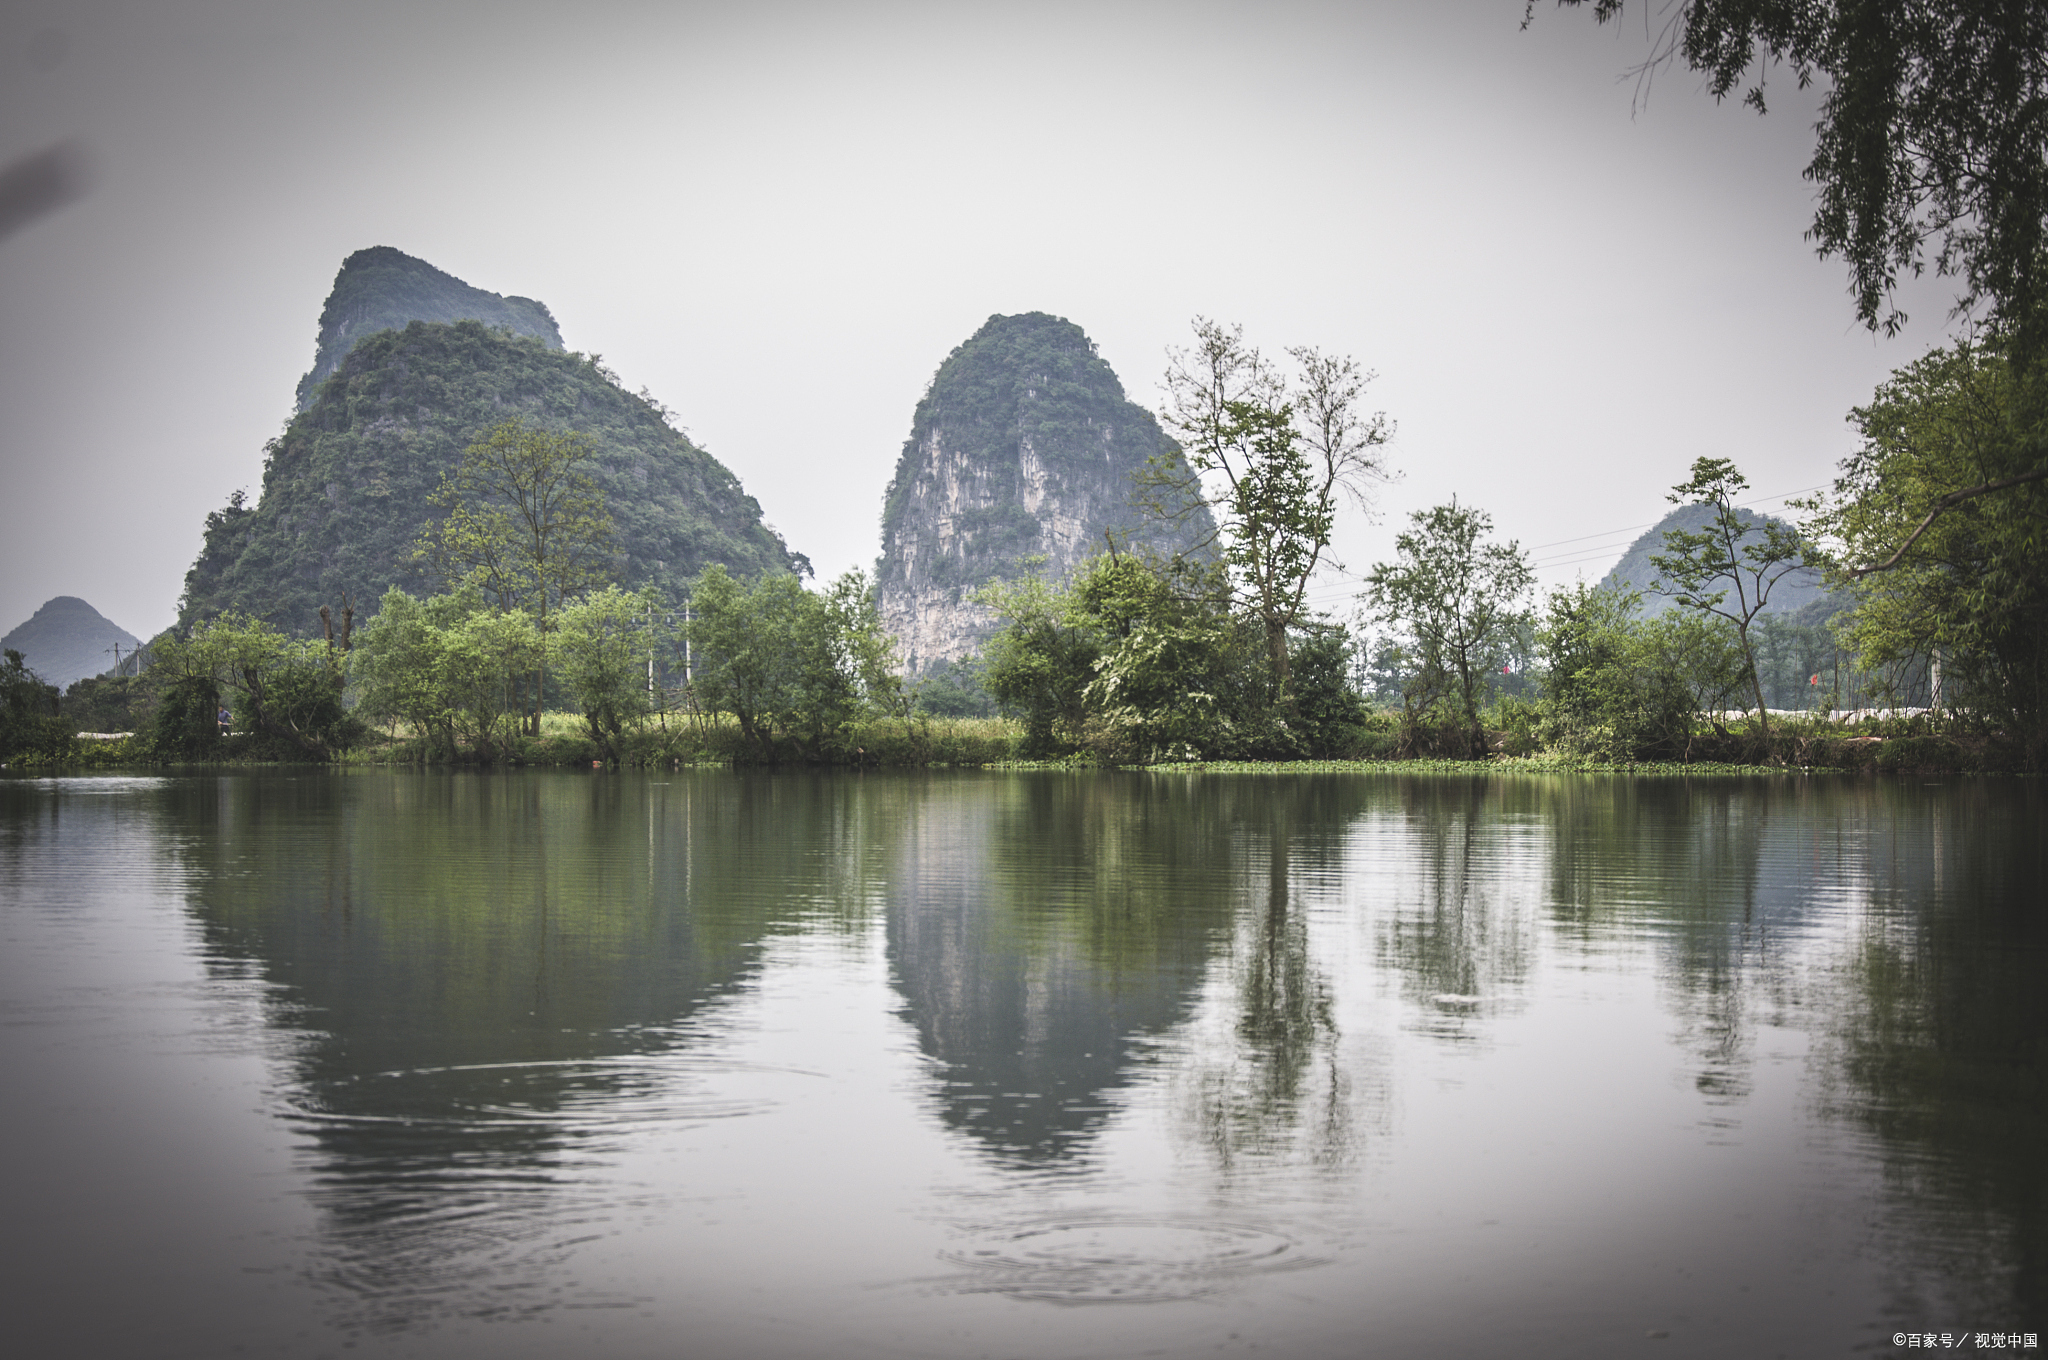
[(1119, 1259)]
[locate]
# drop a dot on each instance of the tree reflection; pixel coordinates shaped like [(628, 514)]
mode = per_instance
[(1276, 1087), (1453, 933), (1935, 1041)]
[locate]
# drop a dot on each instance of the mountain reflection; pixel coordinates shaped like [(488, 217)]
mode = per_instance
[(1039, 928), (488, 980), (483, 985)]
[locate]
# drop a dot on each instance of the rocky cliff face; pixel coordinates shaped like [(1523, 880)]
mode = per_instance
[(346, 486), (382, 289), (1024, 446)]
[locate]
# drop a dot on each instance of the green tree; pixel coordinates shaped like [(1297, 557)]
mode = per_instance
[(525, 523), (782, 658), (1040, 660), (1461, 599), (289, 692), (604, 645), (1751, 557), (1275, 461), (864, 648), (1329, 710), (1621, 687), (1169, 675), (449, 666), (1968, 581), (29, 720)]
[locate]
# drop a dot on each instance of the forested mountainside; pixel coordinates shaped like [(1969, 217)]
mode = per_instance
[(1024, 446), (346, 486), (382, 289), (1800, 593), (67, 639)]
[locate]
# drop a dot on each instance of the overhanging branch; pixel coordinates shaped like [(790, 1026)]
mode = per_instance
[(1952, 499)]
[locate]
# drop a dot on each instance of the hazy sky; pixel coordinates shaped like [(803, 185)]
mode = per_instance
[(780, 218)]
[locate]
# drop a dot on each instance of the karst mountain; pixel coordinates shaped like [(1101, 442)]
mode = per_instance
[(411, 366), (1022, 457)]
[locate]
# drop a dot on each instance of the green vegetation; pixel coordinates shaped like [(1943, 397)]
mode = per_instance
[(1139, 659), (1461, 602), (792, 666), (1751, 558), (1618, 687), (1282, 455), (29, 721), (524, 524), (1961, 606)]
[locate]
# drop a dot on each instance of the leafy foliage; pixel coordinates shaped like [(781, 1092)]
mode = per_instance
[(785, 660), (1972, 588), (28, 710), (604, 647), (1278, 460), (449, 666), (1621, 688), (1752, 557), (521, 520), (1141, 659), (287, 693), (1461, 600), (1933, 127), (952, 689)]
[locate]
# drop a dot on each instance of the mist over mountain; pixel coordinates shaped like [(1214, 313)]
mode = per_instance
[(67, 639), (382, 289), (1800, 592), (346, 485), (1024, 446)]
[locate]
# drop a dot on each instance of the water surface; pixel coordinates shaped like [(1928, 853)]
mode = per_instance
[(1038, 1065)]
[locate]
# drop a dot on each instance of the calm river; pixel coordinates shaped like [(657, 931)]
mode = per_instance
[(947, 1065)]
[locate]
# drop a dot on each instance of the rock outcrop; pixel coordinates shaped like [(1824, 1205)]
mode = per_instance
[(1024, 447), (382, 289), (346, 487)]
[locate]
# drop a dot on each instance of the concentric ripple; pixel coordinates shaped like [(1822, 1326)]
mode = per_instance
[(1121, 1260)]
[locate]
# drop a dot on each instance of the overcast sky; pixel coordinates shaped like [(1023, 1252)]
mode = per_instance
[(780, 218)]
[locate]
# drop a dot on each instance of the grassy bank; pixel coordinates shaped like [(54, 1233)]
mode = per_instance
[(1912, 745)]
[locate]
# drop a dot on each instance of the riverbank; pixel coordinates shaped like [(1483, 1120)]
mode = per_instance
[(1814, 743)]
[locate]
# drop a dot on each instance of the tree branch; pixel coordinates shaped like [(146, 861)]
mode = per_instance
[(1953, 498)]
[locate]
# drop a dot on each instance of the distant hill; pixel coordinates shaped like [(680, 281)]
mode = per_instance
[(1800, 592), (382, 289), (346, 486), (67, 639), (1024, 446)]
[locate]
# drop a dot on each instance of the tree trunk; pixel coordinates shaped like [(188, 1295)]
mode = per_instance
[(1756, 687)]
